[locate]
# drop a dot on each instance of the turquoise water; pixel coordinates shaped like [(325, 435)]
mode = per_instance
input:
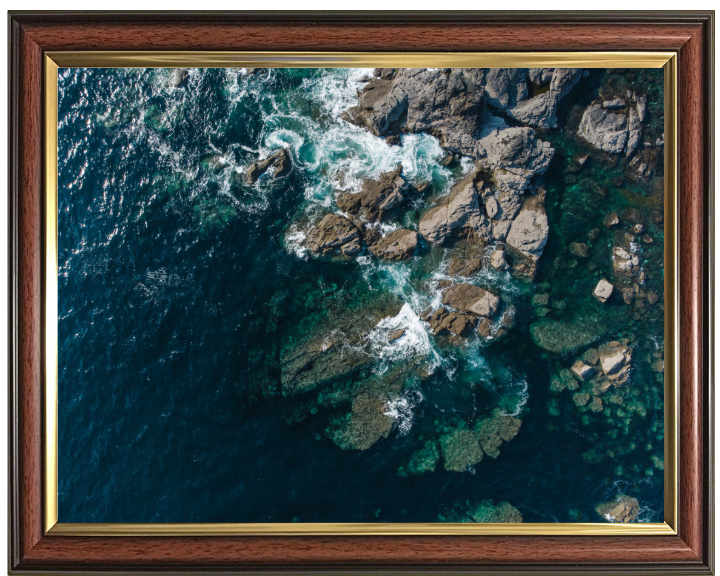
[(183, 291)]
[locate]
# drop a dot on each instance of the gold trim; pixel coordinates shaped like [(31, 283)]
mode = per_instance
[(161, 59), (666, 60), (362, 529), (51, 293), (672, 350)]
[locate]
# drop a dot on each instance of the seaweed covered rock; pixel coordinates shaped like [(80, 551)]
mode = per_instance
[(334, 347), (565, 337), (484, 513), (398, 245), (493, 431), (332, 235), (424, 459), (623, 509), (365, 425), (471, 300), (460, 450), (376, 198), (277, 165)]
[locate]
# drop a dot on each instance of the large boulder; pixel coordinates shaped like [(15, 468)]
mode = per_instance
[(514, 155), (277, 165), (376, 197), (530, 230), (398, 245), (447, 103), (332, 235), (505, 87), (457, 323), (541, 110), (615, 361), (623, 509), (471, 300), (461, 209), (614, 126)]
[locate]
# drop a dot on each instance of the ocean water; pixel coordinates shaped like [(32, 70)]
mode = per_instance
[(181, 287)]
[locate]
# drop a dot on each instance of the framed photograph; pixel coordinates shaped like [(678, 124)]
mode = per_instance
[(369, 292)]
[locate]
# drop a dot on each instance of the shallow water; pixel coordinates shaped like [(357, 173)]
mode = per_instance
[(180, 287)]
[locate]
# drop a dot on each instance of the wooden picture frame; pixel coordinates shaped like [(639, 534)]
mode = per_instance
[(36, 549)]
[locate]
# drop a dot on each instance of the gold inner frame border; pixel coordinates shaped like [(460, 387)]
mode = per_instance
[(53, 61)]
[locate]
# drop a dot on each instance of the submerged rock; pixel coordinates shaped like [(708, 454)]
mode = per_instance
[(471, 300), (423, 460), (565, 337), (364, 426), (483, 513), (334, 234), (493, 431), (623, 509), (460, 450), (277, 165), (376, 197), (398, 245)]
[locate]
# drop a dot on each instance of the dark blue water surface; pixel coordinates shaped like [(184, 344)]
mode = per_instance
[(179, 286)]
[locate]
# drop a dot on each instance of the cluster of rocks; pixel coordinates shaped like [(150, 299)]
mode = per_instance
[(470, 306), (595, 375), (460, 446), (454, 104)]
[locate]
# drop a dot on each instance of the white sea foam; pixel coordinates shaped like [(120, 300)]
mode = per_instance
[(402, 409)]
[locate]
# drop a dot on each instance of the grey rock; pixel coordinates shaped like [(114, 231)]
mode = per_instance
[(541, 110), (603, 129), (497, 260), (277, 165), (376, 197), (615, 361), (398, 245), (603, 290), (505, 87), (447, 104), (540, 76), (471, 300), (623, 509), (530, 230), (334, 233), (515, 156)]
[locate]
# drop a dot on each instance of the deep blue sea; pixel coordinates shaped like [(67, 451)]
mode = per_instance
[(179, 286)]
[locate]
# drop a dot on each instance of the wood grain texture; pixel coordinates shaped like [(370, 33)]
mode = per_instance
[(688, 34)]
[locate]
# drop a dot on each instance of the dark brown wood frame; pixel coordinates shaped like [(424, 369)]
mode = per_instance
[(689, 34)]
